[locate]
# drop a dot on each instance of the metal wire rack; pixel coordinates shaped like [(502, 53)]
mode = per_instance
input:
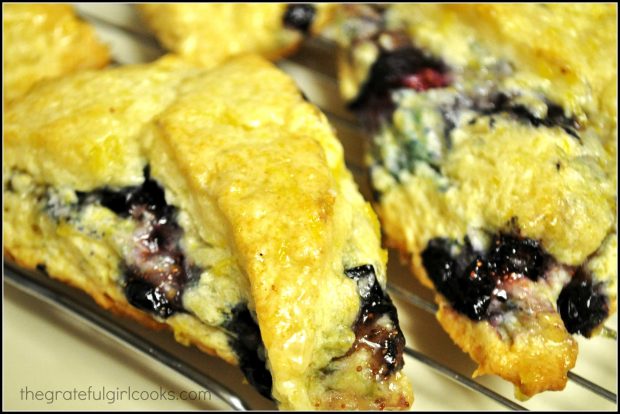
[(307, 67)]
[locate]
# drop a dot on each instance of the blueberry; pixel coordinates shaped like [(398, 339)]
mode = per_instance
[(147, 297), (166, 234), (475, 287), (247, 343), (440, 266), (392, 70), (385, 343), (117, 201), (512, 254), (555, 117), (149, 195), (366, 281), (299, 17), (583, 304), (465, 280)]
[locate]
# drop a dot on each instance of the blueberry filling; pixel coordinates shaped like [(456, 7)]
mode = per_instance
[(515, 255), (299, 17), (583, 304), (405, 67), (149, 194), (248, 346), (376, 327), (465, 280), (470, 280), (156, 270), (555, 117)]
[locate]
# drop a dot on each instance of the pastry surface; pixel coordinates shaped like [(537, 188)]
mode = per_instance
[(493, 165), (216, 203), (42, 41), (211, 33)]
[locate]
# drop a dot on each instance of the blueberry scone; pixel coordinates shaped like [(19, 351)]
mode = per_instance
[(215, 203), (492, 161), (209, 33), (42, 41)]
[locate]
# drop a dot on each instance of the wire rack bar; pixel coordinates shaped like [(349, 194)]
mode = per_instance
[(120, 334), (412, 298), (595, 388), (463, 380)]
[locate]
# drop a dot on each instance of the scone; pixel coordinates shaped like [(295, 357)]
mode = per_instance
[(215, 203), (493, 166), (209, 33), (42, 41)]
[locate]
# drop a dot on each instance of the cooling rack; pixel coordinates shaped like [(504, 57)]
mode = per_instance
[(440, 373)]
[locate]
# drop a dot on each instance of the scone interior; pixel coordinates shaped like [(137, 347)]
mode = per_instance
[(493, 164), (211, 33), (216, 203), (43, 41)]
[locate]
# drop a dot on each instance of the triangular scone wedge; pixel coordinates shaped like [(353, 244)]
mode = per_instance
[(216, 203), (43, 41), (494, 135)]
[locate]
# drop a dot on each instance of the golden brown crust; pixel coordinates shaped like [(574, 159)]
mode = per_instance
[(211, 33), (534, 361), (571, 44), (43, 41)]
